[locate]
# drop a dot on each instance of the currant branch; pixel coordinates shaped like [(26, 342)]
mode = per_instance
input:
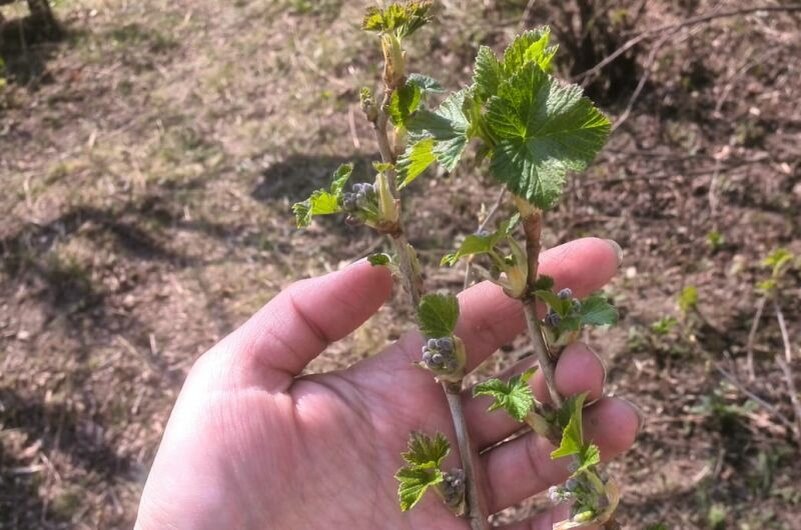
[(533, 130)]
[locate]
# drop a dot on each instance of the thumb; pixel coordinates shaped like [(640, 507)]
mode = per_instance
[(277, 343)]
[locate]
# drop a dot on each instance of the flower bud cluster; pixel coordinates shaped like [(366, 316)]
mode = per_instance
[(453, 487), (553, 319), (439, 355), (363, 197)]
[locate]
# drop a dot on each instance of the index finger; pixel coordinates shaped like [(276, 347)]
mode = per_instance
[(489, 319)]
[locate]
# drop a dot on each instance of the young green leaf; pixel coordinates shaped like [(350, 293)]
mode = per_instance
[(596, 311), (448, 125), (426, 84), (573, 443), (323, 202), (779, 260), (414, 160), (379, 259), (424, 458), (514, 396), (544, 130), (414, 482), (438, 314), (403, 103), (572, 433), (688, 299), (481, 243), (544, 283), (561, 306), (487, 73), (425, 451), (530, 47), (401, 19)]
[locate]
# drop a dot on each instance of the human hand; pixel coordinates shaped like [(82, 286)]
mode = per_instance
[(252, 445)]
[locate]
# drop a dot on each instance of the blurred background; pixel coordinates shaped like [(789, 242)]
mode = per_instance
[(150, 151)]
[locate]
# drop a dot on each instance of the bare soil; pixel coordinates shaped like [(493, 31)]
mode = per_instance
[(149, 153)]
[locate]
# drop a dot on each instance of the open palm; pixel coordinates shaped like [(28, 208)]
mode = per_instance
[(251, 445)]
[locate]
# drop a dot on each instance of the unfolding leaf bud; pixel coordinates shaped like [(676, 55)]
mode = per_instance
[(565, 293), (367, 103)]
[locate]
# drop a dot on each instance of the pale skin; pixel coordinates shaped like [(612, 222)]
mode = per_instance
[(251, 444)]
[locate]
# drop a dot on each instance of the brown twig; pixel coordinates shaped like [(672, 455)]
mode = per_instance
[(476, 509), (413, 283), (532, 228)]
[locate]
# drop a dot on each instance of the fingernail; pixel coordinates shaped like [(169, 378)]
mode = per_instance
[(617, 248), (640, 414)]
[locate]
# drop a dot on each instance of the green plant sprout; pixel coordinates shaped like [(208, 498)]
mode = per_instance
[(531, 130)]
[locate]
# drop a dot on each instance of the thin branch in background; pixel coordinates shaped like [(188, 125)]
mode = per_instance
[(790, 382), (739, 72), (526, 14), (784, 364), (649, 63), (736, 383), (700, 19), (749, 346), (483, 226), (788, 352), (354, 134)]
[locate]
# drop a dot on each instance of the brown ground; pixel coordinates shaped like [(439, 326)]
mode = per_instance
[(148, 159)]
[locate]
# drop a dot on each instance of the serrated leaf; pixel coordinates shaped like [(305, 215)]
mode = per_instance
[(544, 283), (373, 19), (573, 443), (448, 125), (572, 433), (323, 202), (529, 47), (475, 244), (437, 315), (597, 311), (425, 451), (514, 396), (415, 160), (424, 458), (590, 457), (340, 178), (414, 482), (487, 73), (544, 130), (425, 83), (403, 103), (379, 259), (401, 19)]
